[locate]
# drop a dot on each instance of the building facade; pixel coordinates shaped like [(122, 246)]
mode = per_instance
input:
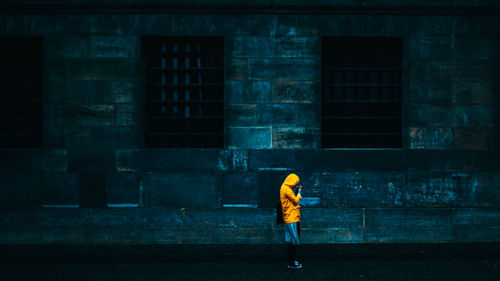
[(154, 122)]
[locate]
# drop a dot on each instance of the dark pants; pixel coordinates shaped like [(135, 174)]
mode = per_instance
[(292, 249)]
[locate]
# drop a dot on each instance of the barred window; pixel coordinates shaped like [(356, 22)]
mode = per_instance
[(184, 94), (21, 92), (361, 92)]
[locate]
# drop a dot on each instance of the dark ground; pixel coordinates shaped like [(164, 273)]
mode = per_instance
[(471, 270), (371, 262)]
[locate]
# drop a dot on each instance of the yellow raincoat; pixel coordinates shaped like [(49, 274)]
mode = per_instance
[(290, 202)]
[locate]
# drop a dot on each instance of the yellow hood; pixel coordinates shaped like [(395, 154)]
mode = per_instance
[(292, 180)]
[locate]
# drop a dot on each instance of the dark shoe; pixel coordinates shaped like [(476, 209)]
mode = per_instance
[(295, 266)]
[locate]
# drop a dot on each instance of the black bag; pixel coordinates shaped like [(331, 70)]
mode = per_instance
[(279, 213)]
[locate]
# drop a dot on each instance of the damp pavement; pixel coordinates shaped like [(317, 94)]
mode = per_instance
[(442, 270)]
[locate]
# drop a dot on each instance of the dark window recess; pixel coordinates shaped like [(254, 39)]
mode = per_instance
[(184, 95), (21, 88), (361, 92)]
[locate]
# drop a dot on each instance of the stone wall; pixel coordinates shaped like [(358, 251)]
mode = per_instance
[(442, 186)]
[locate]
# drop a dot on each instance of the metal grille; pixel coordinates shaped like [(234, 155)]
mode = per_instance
[(361, 92), (21, 92), (184, 101)]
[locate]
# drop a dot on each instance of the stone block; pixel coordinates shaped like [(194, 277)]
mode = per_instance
[(93, 69), (125, 119), (114, 137), (356, 160), (114, 46), (473, 138), (472, 92), (226, 235), (20, 190), (295, 138), (242, 115), (472, 115), (123, 190), (331, 225), (67, 46), (236, 69), (248, 91), (60, 189), (439, 93), (435, 190), (430, 138), (271, 160), (90, 115), (437, 47), (77, 92), (244, 46), (269, 187), (487, 189), (308, 115), (365, 189), (228, 218), (422, 115), (477, 225), (93, 190), (181, 160), (77, 137), (232, 160), (181, 189), (476, 47), (465, 161), (240, 189), (291, 91), (249, 137), (91, 160), (277, 114), (129, 160), (289, 68), (296, 47), (409, 225)]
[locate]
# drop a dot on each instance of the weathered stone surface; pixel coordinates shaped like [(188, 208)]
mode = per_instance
[(264, 160), (290, 91), (230, 218), (93, 69), (487, 189), (430, 138), (91, 115), (67, 46), (430, 93), (405, 225), (472, 92), (182, 190), (240, 188), (18, 190), (473, 138), (114, 46), (472, 115), (167, 160), (33, 160), (477, 225), (91, 160), (269, 187), (243, 46), (114, 137), (232, 160), (248, 91), (236, 69), (277, 114), (242, 115), (123, 190), (339, 190), (290, 68), (295, 138), (431, 48), (69, 91), (297, 47), (93, 190), (436, 190), (465, 161), (60, 189), (322, 225), (249, 137)]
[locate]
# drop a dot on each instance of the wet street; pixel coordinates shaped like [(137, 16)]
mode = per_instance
[(442, 270)]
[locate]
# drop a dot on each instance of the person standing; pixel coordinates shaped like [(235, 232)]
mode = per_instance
[(291, 217)]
